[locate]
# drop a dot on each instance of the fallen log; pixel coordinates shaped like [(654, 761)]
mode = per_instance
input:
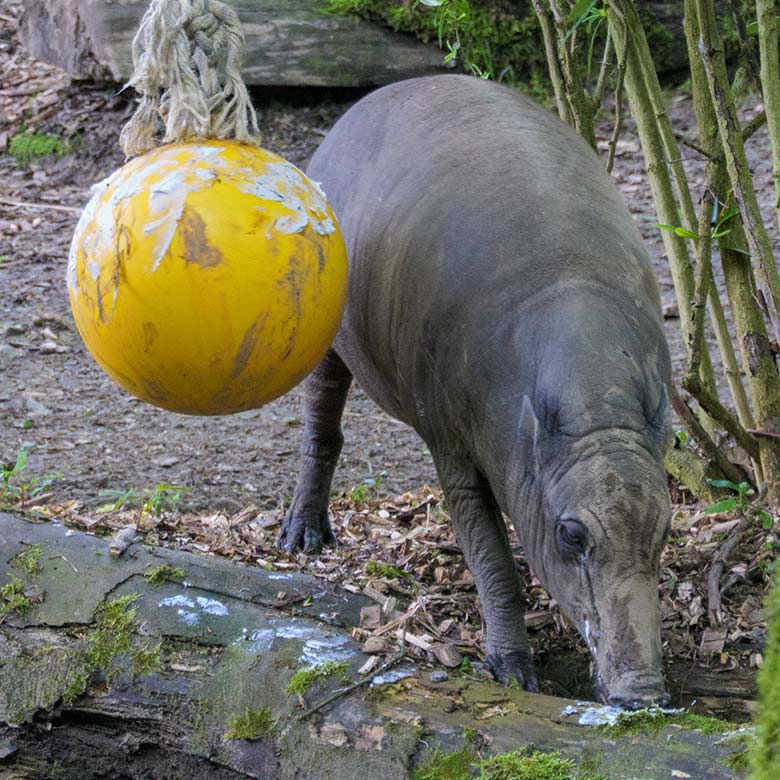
[(215, 645), (289, 43)]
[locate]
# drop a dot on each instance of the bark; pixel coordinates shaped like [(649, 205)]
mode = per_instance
[(287, 43), (766, 12), (757, 359), (231, 637)]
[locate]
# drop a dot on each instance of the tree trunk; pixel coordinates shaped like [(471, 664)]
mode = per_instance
[(288, 43), (231, 637)]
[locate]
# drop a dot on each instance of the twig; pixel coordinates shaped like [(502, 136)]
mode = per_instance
[(621, 72), (711, 451), (22, 204), (768, 434), (755, 124), (685, 141), (66, 561), (714, 601), (397, 658)]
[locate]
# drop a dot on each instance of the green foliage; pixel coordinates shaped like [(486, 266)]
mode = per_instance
[(487, 39), (252, 724), (524, 764), (163, 574), (162, 497), (359, 494), (718, 225), (26, 147), (303, 679), (654, 720), (446, 766), (379, 569), (13, 489), (29, 561), (153, 501), (527, 764), (765, 750), (12, 595), (12, 598), (739, 502), (115, 623)]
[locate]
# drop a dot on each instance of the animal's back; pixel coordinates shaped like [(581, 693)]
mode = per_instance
[(459, 197)]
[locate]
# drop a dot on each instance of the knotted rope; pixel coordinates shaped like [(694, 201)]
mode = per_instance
[(187, 68)]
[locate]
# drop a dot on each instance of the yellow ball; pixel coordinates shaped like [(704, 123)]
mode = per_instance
[(207, 277)]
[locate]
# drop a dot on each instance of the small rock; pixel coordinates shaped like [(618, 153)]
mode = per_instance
[(375, 645), (439, 676), (7, 749), (15, 330), (447, 654), (7, 354), (370, 617), (49, 334), (36, 408), (47, 347)]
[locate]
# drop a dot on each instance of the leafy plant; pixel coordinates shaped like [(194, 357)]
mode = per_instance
[(153, 501), (740, 501), (162, 497), (12, 488), (26, 147)]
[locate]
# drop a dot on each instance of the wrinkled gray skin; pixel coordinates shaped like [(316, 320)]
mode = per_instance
[(501, 303)]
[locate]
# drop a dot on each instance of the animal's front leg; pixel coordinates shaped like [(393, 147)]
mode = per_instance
[(306, 526), (481, 532)]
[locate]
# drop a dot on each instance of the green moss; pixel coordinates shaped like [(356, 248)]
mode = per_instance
[(654, 720), (28, 146), (12, 595), (527, 764), (12, 598), (147, 660), (446, 766), (115, 624), (252, 724), (379, 569), (765, 752), (29, 561), (303, 679), (163, 574), (76, 687), (739, 761)]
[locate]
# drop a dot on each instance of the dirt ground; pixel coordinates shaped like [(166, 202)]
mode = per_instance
[(59, 406), (54, 400)]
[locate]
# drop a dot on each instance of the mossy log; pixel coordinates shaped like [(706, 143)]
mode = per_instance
[(290, 43), (231, 637)]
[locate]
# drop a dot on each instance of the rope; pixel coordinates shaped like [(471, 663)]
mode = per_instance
[(187, 69)]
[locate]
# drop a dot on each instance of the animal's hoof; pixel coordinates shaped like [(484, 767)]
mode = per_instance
[(305, 533), (513, 668)]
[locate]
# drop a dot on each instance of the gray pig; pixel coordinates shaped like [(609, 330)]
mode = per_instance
[(502, 304)]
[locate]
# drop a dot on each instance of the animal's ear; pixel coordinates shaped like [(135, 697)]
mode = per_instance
[(529, 434), (659, 422)]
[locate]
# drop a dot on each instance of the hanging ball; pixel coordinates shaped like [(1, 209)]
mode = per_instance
[(207, 277)]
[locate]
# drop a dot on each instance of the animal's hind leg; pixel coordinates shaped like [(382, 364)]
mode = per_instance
[(306, 526)]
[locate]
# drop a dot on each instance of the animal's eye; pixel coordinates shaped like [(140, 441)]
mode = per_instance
[(572, 537)]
